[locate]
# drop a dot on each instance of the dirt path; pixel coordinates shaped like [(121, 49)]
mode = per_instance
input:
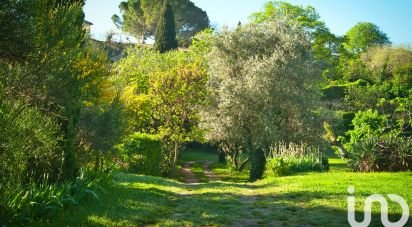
[(190, 178), (208, 172)]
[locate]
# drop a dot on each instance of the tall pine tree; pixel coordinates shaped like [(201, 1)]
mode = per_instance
[(165, 38)]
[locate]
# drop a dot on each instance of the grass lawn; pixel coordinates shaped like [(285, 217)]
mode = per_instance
[(311, 199)]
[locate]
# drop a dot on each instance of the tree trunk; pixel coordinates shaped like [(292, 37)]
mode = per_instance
[(175, 156), (235, 159)]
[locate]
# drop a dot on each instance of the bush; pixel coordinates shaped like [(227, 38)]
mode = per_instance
[(376, 144), (385, 153), (366, 124), (100, 129), (335, 92), (43, 201), (142, 153), (285, 166), (294, 158), (339, 124), (29, 146)]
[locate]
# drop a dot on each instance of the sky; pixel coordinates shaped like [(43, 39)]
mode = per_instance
[(392, 16)]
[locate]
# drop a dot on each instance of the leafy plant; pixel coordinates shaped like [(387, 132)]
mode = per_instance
[(366, 124), (29, 146), (43, 201), (376, 144), (286, 159), (385, 153), (286, 166), (163, 94), (142, 153)]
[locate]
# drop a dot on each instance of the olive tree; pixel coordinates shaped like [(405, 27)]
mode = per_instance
[(261, 85)]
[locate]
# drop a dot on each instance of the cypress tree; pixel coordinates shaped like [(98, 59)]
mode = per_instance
[(165, 37), (257, 165)]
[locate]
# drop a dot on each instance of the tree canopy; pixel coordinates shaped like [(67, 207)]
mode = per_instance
[(163, 94), (364, 35), (16, 30), (260, 82), (140, 18), (324, 43)]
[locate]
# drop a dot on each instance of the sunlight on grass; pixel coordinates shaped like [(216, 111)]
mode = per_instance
[(191, 154), (310, 198)]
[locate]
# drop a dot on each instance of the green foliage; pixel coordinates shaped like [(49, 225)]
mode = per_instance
[(257, 165), (338, 91), (375, 145), (202, 44), (286, 159), (364, 35), (101, 128), (52, 75), (15, 43), (49, 78), (163, 94), (389, 64), (101, 118), (332, 92), (324, 43), (381, 153), (366, 97), (165, 37), (351, 65), (278, 167), (258, 76), (341, 123), (366, 124), (142, 153), (140, 18), (29, 146), (381, 133), (44, 201)]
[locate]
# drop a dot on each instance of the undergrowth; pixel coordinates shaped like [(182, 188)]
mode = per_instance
[(43, 201)]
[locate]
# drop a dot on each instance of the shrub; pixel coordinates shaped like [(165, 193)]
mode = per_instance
[(335, 92), (285, 166), (29, 146), (100, 129), (142, 153), (376, 144), (332, 92), (366, 124), (43, 201), (293, 158), (385, 153), (343, 122)]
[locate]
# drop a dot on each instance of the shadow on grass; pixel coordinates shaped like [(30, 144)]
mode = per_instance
[(140, 200)]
